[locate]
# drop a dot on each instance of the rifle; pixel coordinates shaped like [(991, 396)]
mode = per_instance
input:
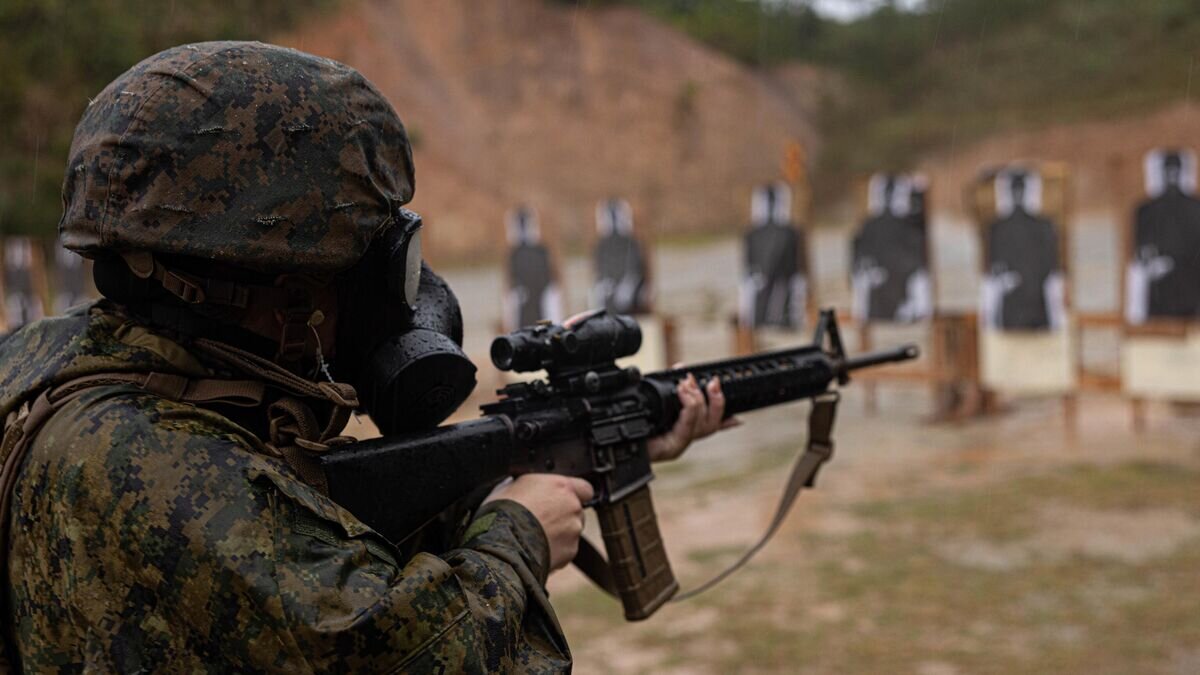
[(591, 419)]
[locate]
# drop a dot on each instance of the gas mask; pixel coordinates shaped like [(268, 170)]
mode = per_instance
[(400, 334)]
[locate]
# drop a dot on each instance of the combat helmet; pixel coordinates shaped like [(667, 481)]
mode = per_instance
[(244, 153)]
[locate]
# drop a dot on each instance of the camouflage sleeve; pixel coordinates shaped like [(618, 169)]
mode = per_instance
[(153, 535), (476, 608)]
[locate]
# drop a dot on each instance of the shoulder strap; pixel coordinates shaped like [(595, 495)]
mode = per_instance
[(22, 426), (818, 450)]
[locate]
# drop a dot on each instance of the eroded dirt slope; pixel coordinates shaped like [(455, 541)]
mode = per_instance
[(513, 100)]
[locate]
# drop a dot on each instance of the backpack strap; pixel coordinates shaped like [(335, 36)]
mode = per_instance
[(22, 425)]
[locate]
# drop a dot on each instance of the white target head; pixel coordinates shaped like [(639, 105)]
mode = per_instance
[(1164, 166), (614, 216), (521, 225), (1018, 186)]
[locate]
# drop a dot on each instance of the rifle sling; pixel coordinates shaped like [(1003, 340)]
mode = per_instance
[(817, 451)]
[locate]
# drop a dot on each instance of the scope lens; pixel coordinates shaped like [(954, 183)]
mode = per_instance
[(502, 353), (570, 343)]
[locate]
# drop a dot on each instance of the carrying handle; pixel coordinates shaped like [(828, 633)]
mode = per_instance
[(641, 573)]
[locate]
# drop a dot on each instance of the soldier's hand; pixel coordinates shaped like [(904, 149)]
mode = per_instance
[(557, 503), (697, 418)]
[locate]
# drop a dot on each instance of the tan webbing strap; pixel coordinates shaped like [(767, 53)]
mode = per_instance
[(339, 394), (12, 450), (241, 393), (295, 432), (22, 425), (296, 423), (593, 564), (195, 289), (298, 438), (817, 451)]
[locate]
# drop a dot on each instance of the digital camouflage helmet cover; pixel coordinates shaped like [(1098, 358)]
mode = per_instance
[(241, 152)]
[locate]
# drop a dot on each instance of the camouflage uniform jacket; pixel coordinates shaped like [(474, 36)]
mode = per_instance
[(149, 535)]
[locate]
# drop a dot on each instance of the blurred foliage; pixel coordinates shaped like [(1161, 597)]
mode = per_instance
[(58, 53), (757, 33), (955, 70)]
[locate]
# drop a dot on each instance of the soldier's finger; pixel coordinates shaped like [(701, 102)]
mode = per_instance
[(687, 395), (716, 404), (701, 407), (732, 422), (582, 489), (687, 412), (689, 415)]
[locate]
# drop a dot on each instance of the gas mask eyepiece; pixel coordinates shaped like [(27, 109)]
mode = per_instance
[(403, 255), (400, 335)]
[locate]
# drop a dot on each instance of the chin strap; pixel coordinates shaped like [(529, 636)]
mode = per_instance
[(193, 289), (290, 301), (817, 451)]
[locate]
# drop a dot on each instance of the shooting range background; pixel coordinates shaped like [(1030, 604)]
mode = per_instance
[(1017, 542)]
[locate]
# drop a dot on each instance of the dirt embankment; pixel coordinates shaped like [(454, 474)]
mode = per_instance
[(528, 101), (1105, 158)]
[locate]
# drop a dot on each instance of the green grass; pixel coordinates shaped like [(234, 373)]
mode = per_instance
[(885, 598)]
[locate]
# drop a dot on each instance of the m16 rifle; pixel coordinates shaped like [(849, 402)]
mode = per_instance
[(591, 419)]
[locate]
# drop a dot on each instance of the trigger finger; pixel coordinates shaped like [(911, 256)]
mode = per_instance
[(689, 408), (716, 403), (583, 490), (701, 407)]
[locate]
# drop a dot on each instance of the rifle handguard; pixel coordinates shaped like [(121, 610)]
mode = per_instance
[(641, 572)]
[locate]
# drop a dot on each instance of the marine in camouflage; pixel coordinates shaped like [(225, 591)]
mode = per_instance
[(154, 535), (148, 534), (240, 152)]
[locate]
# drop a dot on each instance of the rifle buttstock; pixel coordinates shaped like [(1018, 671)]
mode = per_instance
[(641, 571)]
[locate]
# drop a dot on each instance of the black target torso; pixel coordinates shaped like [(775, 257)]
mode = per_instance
[(531, 276), (1169, 226), (620, 265), (776, 254), (896, 245), (1027, 245)]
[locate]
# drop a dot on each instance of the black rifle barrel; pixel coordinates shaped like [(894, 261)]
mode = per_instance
[(905, 353), (772, 378)]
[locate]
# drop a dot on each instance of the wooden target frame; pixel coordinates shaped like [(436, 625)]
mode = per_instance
[(794, 172), (1178, 338), (1057, 206), (643, 238), (659, 330), (548, 238), (940, 367)]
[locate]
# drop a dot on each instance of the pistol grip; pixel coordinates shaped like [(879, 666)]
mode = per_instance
[(641, 572)]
